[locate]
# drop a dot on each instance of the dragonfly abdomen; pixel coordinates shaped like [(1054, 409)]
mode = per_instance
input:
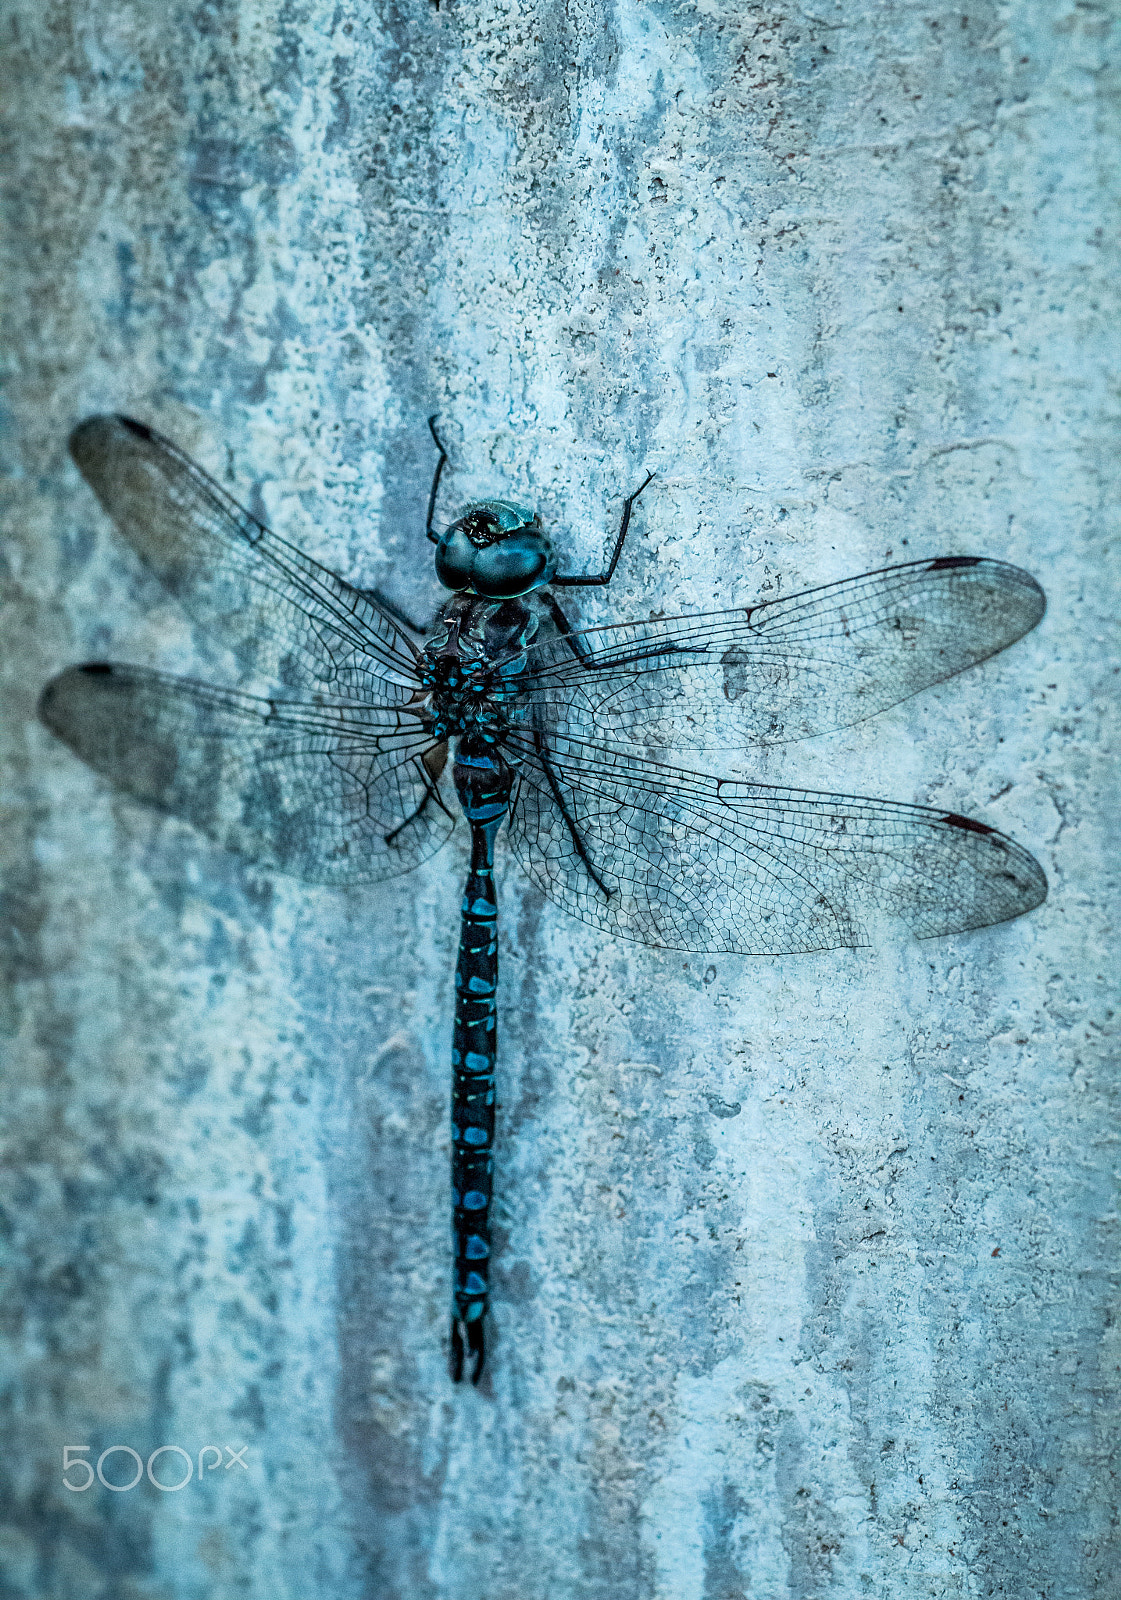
[(483, 781)]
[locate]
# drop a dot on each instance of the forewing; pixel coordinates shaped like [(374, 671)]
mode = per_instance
[(289, 621), (788, 669), (324, 792), (690, 862)]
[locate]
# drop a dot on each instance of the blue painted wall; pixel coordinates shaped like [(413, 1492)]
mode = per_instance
[(803, 1267)]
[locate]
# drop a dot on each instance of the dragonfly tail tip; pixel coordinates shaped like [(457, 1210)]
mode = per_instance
[(475, 1347)]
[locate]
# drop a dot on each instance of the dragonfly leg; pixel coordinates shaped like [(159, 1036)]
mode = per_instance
[(570, 821), (428, 528), (564, 628), (401, 826), (575, 642), (600, 578), (427, 771)]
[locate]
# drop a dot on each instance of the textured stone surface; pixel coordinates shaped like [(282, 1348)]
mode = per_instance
[(806, 1266)]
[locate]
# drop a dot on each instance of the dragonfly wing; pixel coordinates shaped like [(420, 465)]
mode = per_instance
[(690, 862), (288, 620), (788, 669), (331, 793)]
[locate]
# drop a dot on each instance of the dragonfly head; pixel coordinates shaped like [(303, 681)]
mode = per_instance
[(496, 550)]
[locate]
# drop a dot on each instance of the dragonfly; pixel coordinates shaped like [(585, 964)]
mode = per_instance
[(354, 733)]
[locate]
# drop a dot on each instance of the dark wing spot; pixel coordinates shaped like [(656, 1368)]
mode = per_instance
[(141, 429), (952, 820), (96, 669), (944, 563)]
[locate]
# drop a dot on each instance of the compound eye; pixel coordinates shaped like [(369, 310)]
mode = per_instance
[(455, 556), (520, 562)]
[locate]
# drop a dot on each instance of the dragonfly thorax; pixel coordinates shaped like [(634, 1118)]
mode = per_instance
[(472, 665), (496, 550)]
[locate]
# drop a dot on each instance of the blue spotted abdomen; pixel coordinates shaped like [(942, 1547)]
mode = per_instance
[(483, 782)]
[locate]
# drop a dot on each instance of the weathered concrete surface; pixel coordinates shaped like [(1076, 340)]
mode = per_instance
[(806, 1266)]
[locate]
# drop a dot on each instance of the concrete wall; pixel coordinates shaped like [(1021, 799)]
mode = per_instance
[(806, 1266)]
